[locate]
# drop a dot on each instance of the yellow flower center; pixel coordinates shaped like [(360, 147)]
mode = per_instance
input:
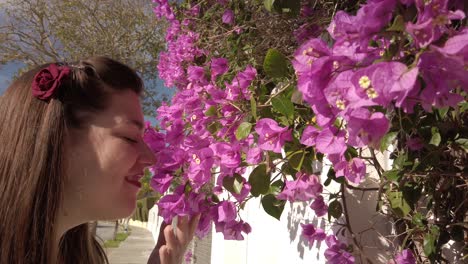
[(197, 161), (194, 117), (440, 20), (308, 51), (336, 65), (371, 93), (340, 104), (362, 133), (364, 82)]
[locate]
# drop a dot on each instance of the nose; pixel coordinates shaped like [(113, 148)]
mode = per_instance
[(147, 156)]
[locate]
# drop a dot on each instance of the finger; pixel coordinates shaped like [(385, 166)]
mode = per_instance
[(193, 225), (163, 255), (161, 239), (170, 237), (182, 230)]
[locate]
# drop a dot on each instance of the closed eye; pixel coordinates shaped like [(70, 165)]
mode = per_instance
[(130, 140)]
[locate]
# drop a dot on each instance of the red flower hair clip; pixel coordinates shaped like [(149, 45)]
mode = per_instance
[(47, 81)]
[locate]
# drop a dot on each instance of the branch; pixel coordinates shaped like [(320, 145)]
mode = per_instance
[(348, 224)]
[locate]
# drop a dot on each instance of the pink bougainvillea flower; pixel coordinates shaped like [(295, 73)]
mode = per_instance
[(415, 143), (319, 206), (331, 141), (366, 128), (304, 188), (201, 162), (228, 17), (271, 135), (254, 155), (312, 234), (405, 257), (309, 136), (226, 211), (161, 180), (219, 66), (353, 170), (336, 252), (196, 74), (154, 139), (228, 154), (385, 82), (172, 205)]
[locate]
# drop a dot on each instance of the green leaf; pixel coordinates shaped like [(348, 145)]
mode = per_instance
[(187, 188), (296, 160), (430, 239), (269, 4), (435, 139), (212, 111), (411, 193), (401, 161), (387, 140), (253, 107), (398, 24), (463, 142), (214, 127), (292, 7), (463, 106), (418, 219), (275, 64), (273, 206), (296, 97), (259, 179), (276, 187), (392, 175), (283, 106), (443, 112), (233, 184), (243, 130), (399, 204), (335, 209)]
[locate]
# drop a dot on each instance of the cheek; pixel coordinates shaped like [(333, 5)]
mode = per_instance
[(121, 156)]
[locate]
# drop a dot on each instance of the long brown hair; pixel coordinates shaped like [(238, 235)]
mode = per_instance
[(32, 163)]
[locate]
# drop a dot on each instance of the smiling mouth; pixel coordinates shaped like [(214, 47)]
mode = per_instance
[(134, 180)]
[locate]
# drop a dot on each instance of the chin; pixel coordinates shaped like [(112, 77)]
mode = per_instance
[(121, 210)]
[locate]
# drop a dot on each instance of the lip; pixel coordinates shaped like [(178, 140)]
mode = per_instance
[(134, 180)]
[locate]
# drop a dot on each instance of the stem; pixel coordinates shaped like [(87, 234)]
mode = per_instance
[(276, 94), (348, 224), (362, 189)]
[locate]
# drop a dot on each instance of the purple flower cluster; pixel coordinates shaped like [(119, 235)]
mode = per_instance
[(405, 257), (347, 81), (352, 83), (189, 156), (312, 234), (336, 252)]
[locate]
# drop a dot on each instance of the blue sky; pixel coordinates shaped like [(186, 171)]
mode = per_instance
[(6, 75)]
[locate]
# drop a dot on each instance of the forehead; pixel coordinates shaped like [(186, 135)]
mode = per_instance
[(124, 109)]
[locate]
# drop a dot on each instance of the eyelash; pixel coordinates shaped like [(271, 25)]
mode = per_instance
[(130, 140)]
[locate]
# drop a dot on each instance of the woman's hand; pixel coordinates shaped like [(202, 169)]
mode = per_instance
[(172, 243)]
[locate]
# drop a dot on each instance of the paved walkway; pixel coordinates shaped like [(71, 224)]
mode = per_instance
[(136, 249)]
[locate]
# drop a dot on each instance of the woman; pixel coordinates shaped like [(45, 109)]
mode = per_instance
[(72, 152)]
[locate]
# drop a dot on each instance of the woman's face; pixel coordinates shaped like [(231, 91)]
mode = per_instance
[(105, 162)]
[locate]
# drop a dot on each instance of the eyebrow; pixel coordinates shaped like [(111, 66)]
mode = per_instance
[(136, 123)]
